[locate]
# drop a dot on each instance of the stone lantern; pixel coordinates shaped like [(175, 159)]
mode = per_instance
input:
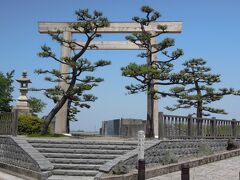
[(22, 102)]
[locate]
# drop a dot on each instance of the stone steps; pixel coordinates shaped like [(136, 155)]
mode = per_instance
[(81, 151), (59, 177), (68, 172), (84, 142), (77, 166), (82, 146), (78, 161), (79, 158)]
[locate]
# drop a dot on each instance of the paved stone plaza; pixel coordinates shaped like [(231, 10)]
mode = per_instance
[(221, 170)]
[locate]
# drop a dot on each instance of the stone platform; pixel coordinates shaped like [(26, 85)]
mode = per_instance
[(220, 170), (69, 158)]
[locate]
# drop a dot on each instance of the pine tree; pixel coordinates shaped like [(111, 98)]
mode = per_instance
[(37, 105), (6, 89), (155, 72), (198, 92), (79, 79)]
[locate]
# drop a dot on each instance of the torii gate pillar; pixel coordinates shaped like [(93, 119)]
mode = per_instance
[(152, 104), (61, 116)]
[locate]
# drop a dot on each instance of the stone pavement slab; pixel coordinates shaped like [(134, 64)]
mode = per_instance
[(5, 176), (221, 170), (70, 178)]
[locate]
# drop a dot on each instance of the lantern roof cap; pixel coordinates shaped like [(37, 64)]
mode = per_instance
[(24, 78)]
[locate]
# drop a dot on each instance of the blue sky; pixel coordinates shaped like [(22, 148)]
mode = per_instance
[(210, 30)]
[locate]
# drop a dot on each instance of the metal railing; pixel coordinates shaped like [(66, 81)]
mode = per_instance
[(8, 123), (171, 126)]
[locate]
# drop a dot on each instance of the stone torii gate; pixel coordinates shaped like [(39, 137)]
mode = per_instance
[(129, 27)]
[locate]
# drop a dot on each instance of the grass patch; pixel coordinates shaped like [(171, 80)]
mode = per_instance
[(169, 158), (46, 135), (204, 150)]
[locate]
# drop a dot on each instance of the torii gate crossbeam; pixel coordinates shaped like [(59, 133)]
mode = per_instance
[(114, 27), (110, 45)]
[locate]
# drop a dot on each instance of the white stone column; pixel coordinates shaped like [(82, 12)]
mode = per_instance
[(141, 138), (61, 116), (150, 101)]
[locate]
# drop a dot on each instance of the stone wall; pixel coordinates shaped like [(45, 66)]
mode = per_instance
[(161, 170), (130, 127), (123, 127), (180, 148), (111, 127), (156, 149), (18, 155)]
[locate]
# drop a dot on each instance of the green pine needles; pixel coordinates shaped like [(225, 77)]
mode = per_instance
[(6, 89), (156, 71), (198, 91), (79, 81)]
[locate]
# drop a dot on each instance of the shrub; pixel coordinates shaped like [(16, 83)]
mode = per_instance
[(169, 158), (120, 168), (46, 135), (204, 150), (232, 144), (29, 124)]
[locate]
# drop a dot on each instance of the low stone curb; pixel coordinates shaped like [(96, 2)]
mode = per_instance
[(25, 173), (158, 171)]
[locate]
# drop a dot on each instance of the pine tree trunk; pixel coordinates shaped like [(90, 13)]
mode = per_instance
[(68, 115), (199, 109), (199, 115), (199, 101), (59, 104), (150, 125), (50, 116), (68, 126)]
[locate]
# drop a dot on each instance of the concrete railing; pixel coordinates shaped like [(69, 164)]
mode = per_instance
[(8, 123), (171, 126)]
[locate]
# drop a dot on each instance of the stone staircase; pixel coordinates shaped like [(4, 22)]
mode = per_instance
[(79, 158)]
